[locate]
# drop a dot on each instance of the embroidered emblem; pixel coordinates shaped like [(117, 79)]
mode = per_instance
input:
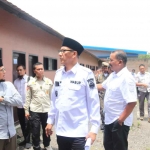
[(91, 83)]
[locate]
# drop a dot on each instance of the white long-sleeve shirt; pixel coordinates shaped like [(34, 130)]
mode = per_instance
[(21, 86), (75, 102), (11, 98)]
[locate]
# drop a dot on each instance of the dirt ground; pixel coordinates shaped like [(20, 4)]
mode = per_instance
[(139, 136)]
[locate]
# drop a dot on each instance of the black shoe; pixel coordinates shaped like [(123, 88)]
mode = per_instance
[(23, 143), (102, 127)]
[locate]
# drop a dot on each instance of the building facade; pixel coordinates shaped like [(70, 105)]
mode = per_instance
[(25, 40)]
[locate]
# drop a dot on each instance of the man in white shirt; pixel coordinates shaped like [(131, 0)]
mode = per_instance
[(120, 99), (9, 97), (21, 85), (143, 83), (75, 100)]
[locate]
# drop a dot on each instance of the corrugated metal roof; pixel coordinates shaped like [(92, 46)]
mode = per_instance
[(104, 52)]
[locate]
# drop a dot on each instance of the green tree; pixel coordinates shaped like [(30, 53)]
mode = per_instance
[(146, 56)]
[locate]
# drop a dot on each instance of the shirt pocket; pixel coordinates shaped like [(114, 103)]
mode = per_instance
[(113, 92), (74, 87)]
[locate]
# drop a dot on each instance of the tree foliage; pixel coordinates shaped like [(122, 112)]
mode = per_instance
[(146, 56)]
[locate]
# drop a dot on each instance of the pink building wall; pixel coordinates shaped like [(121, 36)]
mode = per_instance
[(18, 35)]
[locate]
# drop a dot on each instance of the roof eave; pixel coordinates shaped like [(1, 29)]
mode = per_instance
[(21, 14)]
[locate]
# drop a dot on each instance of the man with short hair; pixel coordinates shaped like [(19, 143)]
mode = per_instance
[(21, 85), (143, 83), (9, 97), (120, 99), (75, 100), (38, 99)]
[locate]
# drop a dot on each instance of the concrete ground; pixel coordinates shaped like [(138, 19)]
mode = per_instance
[(139, 136)]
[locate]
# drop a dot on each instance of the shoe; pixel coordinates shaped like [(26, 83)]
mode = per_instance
[(28, 145), (141, 118), (23, 143), (149, 120)]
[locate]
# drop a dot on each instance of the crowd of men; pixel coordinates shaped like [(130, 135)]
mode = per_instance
[(77, 97)]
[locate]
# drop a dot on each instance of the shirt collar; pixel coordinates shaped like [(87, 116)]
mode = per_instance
[(120, 72), (73, 69), (44, 79), (24, 77), (142, 73)]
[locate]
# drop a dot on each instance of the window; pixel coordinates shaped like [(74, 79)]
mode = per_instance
[(92, 68), (18, 58), (87, 66), (50, 63), (82, 64)]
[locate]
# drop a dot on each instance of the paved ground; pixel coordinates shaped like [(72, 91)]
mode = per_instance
[(139, 136)]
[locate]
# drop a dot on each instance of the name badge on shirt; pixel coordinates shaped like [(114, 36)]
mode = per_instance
[(57, 83), (75, 82)]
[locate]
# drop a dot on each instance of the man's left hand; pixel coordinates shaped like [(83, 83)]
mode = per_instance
[(1, 99), (92, 136)]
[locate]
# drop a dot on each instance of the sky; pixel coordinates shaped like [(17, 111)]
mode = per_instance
[(123, 24)]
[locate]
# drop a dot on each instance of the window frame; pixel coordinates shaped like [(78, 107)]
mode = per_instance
[(52, 64)]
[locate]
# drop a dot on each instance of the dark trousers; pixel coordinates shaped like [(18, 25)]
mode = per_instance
[(115, 136), (141, 97), (38, 119), (24, 123), (69, 143), (8, 144)]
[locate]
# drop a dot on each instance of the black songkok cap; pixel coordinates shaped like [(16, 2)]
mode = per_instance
[(1, 63), (73, 45)]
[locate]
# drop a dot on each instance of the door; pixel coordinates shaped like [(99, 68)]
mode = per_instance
[(32, 61), (18, 58)]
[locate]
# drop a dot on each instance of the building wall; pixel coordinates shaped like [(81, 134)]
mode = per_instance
[(18, 35), (88, 59), (133, 63)]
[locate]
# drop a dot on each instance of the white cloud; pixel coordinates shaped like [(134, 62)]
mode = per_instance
[(104, 23)]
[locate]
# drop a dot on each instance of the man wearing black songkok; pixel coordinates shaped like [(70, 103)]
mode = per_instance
[(75, 100)]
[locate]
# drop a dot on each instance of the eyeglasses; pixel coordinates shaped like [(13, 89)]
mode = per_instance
[(64, 50), (2, 70)]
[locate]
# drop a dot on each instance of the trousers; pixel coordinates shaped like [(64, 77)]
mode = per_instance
[(115, 136), (38, 119), (70, 143)]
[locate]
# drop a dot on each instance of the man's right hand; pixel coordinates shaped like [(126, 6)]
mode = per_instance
[(27, 116), (48, 130)]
